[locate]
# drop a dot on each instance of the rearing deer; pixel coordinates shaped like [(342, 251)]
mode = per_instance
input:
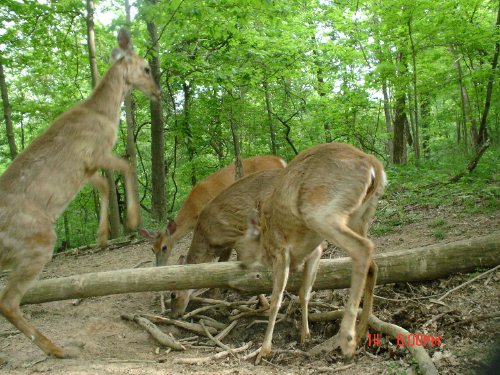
[(202, 193), (327, 192), (44, 178)]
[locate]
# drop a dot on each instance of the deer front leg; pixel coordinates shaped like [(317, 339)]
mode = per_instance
[(309, 275), (100, 183), (114, 163), (281, 270)]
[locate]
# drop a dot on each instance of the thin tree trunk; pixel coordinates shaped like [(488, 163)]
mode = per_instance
[(483, 133), (272, 130), (158, 199), (400, 120), (416, 137), (114, 212), (388, 119), (186, 129), (7, 113), (130, 120), (238, 164), (465, 104)]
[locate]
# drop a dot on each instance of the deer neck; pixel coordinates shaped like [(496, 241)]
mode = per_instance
[(110, 92)]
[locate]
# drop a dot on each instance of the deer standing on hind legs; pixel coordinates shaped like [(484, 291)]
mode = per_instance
[(44, 178), (327, 192)]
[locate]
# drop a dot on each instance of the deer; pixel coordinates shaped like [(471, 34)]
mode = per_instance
[(328, 192), (43, 179), (203, 192), (221, 224)]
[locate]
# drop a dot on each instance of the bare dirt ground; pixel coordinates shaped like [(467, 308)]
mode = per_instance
[(103, 343)]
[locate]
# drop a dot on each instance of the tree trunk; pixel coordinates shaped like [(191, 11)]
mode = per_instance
[(186, 129), (419, 264), (388, 119), (238, 164), (7, 113), (114, 212), (400, 120), (483, 134), (158, 199), (130, 120), (272, 130), (416, 136)]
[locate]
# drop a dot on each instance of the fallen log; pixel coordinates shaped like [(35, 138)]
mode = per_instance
[(419, 264)]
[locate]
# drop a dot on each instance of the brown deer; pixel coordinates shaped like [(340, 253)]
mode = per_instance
[(221, 224), (44, 178), (202, 193), (327, 192)]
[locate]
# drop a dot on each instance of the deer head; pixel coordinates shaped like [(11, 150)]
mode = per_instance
[(136, 70)]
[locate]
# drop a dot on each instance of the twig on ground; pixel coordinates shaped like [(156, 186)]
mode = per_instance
[(153, 330), (211, 322), (201, 309), (212, 357), (476, 318), (226, 330), (217, 341), (194, 327), (468, 282), (141, 263)]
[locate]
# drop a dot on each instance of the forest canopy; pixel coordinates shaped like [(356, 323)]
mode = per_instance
[(411, 82)]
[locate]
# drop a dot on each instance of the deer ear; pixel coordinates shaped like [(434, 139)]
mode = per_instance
[(124, 40), (147, 234), (253, 228), (171, 227)]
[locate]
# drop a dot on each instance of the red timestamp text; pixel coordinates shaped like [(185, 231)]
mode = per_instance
[(410, 339)]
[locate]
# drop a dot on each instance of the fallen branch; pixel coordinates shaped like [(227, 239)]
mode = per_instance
[(418, 352), (425, 263), (194, 327), (153, 330), (473, 163), (199, 360), (215, 340), (468, 282)]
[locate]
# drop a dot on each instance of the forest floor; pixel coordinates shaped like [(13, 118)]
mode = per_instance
[(106, 344)]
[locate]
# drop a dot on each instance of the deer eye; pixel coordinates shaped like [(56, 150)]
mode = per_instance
[(164, 248), (147, 70)]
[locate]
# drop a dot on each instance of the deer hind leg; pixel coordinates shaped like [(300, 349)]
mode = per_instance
[(281, 270), (25, 270), (100, 183), (371, 280), (114, 163), (309, 275), (360, 250), (359, 222)]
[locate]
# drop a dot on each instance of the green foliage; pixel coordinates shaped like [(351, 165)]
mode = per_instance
[(323, 63)]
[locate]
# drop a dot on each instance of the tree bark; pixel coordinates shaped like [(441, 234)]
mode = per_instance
[(159, 202), (114, 212), (130, 120), (272, 130), (400, 120), (416, 136), (7, 114), (483, 134), (419, 264), (186, 130), (238, 164)]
